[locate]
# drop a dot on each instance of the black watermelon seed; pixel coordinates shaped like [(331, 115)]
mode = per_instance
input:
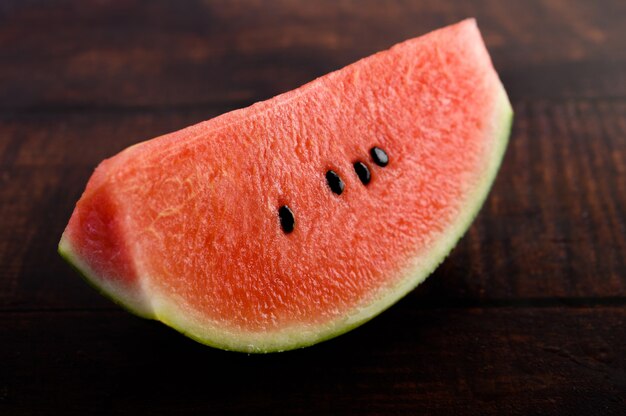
[(287, 221), (379, 156), (363, 172), (334, 182)]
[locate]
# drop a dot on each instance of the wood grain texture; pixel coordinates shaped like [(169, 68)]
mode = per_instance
[(69, 54), (526, 316), (443, 361)]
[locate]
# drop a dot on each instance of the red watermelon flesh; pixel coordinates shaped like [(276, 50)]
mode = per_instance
[(185, 229)]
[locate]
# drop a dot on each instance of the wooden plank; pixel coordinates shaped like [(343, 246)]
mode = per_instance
[(553, 229), (73, 54), (567, 361), (526, 316)]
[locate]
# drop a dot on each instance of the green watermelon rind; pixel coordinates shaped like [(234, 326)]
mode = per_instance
[(118, 297), (150, 304)]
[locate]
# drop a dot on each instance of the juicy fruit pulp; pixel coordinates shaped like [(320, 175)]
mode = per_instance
[(193, 230)]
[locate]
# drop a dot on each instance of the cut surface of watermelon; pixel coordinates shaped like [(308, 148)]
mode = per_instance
[(191, 229)]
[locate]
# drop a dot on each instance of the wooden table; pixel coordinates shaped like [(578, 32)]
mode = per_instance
[(527, 315)]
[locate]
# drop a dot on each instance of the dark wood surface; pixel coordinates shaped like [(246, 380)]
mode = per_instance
[(527, 315)]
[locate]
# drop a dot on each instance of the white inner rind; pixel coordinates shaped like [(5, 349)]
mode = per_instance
[(130, 298)]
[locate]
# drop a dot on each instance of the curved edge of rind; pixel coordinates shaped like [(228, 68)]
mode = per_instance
[(416, 274), (294, 338), (119, 297)]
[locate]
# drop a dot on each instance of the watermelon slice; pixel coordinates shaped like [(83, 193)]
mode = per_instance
[(299, 218)]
